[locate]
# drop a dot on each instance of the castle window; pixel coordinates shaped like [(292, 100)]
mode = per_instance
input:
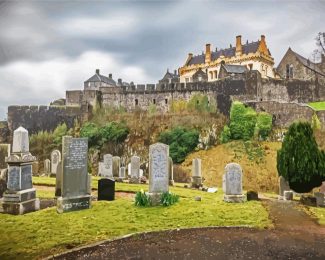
[(166, 101), (200, 78), (136, 102), (215, 74), (289, 71), (187, 80), (154, 101), (250, 66)]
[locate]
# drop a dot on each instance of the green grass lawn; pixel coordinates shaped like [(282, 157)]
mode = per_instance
[(46, 232), (317, 105)]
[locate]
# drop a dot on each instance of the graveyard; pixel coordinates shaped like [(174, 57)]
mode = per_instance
[(162, 130)]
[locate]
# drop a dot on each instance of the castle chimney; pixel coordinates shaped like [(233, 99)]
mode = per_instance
[(110, 76), (119, 81), (97, 71), (175, 72), (190, 56), (239, 47), (207, 53), (263, 38)]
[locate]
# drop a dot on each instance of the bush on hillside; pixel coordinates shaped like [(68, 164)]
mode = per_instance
[(225, 135), (181, 142), (115, 132), (299, 160), (242, 121), (263, 125)]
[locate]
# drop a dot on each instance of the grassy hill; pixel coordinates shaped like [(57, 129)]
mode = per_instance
[(258, 160)]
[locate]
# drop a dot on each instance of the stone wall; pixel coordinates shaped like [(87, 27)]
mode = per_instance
[(37, 118), (285, 114)]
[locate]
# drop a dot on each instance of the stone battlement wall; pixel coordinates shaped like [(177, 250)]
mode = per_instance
[(37, 118)]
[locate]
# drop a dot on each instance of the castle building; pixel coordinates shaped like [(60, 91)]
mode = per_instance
[(253, 55), (295, 66), (97, 81)]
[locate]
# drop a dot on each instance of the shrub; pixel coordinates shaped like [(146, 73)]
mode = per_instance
[(242, 121), (263, 125), (225, 135), (168, 199), (201, 103), (91, 131), (181, 141), (114, 132), (178, 106), (58, 133), (299, 160), (142, 199), (315, 123)]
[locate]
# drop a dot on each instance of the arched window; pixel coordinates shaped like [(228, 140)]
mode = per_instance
[(215, 74), (289, 71)]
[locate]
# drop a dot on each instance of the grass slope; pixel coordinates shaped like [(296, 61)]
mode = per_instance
[(46, 232), (318, 213), (258, 161), (317, 105)]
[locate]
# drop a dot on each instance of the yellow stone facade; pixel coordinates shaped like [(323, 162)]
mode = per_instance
[(254, 55)]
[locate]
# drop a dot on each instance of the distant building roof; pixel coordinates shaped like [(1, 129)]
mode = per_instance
[(100, 78), (251, 47), (307, 63), (237, 69), (169, 75)]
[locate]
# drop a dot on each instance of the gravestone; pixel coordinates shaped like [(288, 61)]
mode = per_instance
[(58, 177), (283, 186), (106, 189), (135, 169), (129, 169), (47, 166), (196, 173), (320, 200), (171, 171), (288, 195), (4, 152), (233, 186), (100, 168), (116, 166), (75, 183), (55, 160), (20, 196), (158, 171), (122, 175), (107, 170)]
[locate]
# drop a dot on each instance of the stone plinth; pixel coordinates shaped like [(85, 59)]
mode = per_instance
[(234, 198), (196, 181), (73, 203), (288, 195), (20, 196)]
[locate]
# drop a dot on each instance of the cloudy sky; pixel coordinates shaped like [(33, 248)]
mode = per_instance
[(47, 47)]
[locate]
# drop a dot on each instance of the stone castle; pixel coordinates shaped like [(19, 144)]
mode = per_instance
[(244, 72)]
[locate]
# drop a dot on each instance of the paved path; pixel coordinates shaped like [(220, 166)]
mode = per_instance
[(296, 236)]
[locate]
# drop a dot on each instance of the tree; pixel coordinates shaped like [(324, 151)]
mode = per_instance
[(320, 43), (299, 160)]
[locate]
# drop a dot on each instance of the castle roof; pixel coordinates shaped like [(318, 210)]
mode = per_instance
[(100, 78), (169, 75), (237, 69), (251, 47), (307, 63)]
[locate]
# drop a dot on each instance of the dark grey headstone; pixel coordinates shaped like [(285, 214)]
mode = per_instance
[(75, 170), (13, 178), (106, 189), (26, 177)]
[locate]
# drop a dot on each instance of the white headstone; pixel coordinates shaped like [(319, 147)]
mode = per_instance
[(233, 179), (108, 166), (140, 173), (196, 168), (20, 141), (55, 159), (122, 172), (47, 166), (135, 167), (158, 168), (129, 169)]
